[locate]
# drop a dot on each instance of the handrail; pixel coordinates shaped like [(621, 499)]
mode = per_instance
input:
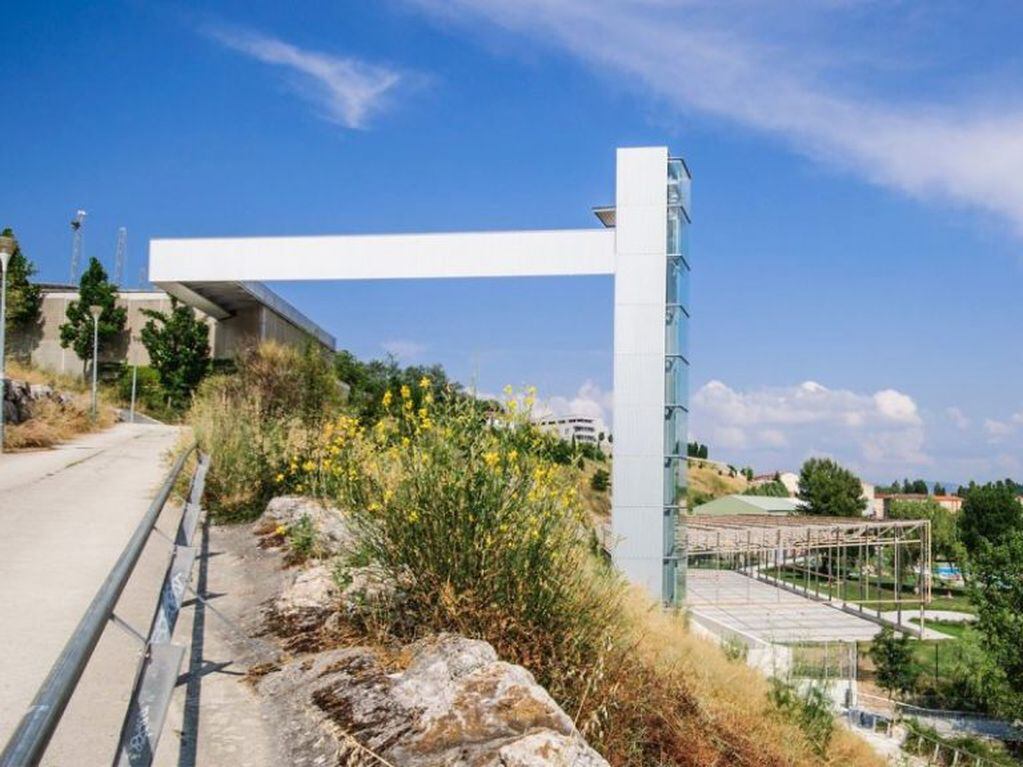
[(36, 728)]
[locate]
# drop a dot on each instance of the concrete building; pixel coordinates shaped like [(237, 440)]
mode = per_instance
[(643, 245), (239, 317), (735, 505), (577, 428)]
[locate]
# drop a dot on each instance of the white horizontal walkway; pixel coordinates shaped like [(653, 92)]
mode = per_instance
[(769, 613)]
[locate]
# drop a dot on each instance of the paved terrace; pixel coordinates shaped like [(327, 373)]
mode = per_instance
[(769, 613)]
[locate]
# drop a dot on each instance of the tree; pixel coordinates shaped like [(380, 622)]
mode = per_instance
[(93, 290), (370, 380), (24, 300), (944, 532), (773, 489), (893, 661), (994, 572), (704, 452), (178, 343), (828, 489), (990, 514), (939, 489), (600, 480)]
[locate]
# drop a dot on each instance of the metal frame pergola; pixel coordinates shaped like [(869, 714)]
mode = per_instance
[(842, 560)]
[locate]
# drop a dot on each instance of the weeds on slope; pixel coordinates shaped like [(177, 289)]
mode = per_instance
[(489, 539)]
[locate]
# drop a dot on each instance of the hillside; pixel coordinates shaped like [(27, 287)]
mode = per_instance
[(709, 480)]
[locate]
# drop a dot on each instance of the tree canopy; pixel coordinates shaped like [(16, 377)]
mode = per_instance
[(24, 299), (828, 489), (370, 380), (893, 659), (944, 532), (990, 514), (94, 290), (178, 343)]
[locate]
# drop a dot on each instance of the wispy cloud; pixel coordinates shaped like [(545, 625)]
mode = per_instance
[(346, 90), (734, 59)]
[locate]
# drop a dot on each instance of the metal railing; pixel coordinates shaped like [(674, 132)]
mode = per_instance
[(30, 740)]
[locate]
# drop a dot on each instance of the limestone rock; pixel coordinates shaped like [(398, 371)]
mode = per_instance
[(332, 534), (303, 607), (455, 705)]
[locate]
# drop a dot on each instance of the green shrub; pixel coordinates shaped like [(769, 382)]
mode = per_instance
[(810, 710), (250, 421), (150, 397), (600, 480)]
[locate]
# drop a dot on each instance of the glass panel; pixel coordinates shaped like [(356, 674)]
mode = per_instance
[(677, 282), (677, 233), (675, 431), (676, 332), (675, 481), (679, 184), (676, 382)]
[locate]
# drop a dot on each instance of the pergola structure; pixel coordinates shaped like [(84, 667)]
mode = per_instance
[(861, 565)]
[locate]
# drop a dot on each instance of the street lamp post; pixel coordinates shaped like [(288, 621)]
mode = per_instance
[(95, 311), (6, 251)]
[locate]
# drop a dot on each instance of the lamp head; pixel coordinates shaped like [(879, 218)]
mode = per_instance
[(95, 311), (7, 246)]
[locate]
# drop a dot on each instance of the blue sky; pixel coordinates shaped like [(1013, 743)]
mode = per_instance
[(858, 190)]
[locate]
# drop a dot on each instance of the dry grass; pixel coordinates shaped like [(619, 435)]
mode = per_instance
[(713, 480), (705, 709), (51, 422)]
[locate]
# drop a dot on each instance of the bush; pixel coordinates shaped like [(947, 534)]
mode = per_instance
[(600, 481), (249, 421), (150, 397)]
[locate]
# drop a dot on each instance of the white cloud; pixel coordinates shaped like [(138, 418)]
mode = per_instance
[(997, 430), (873, 430), (1017, 418), (404, 350), (957, 417), (347, 91), (590, 400), (896, 406), (743, 62)]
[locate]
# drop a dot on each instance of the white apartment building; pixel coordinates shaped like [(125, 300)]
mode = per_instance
[(577, 428)]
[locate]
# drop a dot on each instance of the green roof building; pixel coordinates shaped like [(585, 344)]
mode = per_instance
[(734, 505)]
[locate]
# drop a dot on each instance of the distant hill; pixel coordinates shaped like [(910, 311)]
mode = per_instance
[(709, 480)]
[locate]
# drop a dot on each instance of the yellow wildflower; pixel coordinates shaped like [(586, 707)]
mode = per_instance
[(406, 392), (308, 466), (279, 478), (491, 459), (280, 530), (424, 382), (413, 516), (386, 401)]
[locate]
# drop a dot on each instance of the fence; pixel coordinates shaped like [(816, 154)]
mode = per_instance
[(158, 668)]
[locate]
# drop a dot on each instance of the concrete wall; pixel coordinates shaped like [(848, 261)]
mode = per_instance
[(41, 344)]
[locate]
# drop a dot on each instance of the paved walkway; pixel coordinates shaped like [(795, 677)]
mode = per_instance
[(66, 514), (767, 612)]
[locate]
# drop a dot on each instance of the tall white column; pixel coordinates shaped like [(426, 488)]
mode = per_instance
[(639, 343)]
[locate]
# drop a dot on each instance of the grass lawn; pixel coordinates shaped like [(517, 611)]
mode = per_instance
[(942, 597)]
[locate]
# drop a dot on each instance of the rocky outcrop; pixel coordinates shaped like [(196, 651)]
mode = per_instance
[(328, 522), (454, 705), (19, 397), (304, 606)]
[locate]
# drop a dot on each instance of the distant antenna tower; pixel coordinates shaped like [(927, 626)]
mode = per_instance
[(120, 255), (76, 243)]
